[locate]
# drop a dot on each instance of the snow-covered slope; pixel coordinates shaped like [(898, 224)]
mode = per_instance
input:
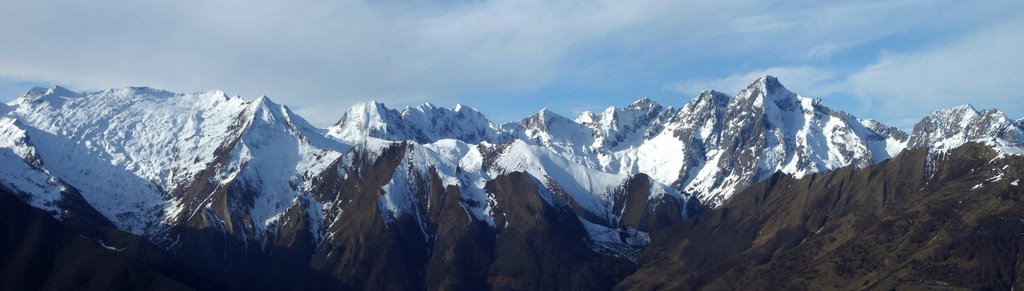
[(765, 129), (423, 124), (712, 146), (275, 157), (469, 167), (23, 172), (122, 148), (127, 150), (716, 144)]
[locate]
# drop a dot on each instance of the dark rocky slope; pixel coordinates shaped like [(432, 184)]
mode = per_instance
[(539, 239), (920, 220), (38, 252)]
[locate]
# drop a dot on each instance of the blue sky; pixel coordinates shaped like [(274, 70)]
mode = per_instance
[(890, 60)]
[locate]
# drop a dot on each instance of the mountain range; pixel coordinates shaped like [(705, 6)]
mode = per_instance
[(206, 189)]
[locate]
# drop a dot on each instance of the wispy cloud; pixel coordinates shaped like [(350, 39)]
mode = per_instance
[(983, 68), (321, 56)]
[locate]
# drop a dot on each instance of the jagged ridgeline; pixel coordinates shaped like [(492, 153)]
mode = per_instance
[(205, 189)]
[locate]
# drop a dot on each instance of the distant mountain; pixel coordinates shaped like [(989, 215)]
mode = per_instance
[(950, 128), (246, 192), (422, 124), (697, 148)]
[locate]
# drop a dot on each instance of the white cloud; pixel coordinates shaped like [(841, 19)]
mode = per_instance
[(320, 56), (985, 69), (306, 53)]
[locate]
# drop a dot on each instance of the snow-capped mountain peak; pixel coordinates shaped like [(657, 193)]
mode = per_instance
[(694, 148), (770, 85), (433, 123), (543, 120), (54, 90), (951, 127), (423, 124), (370, 118), (223, 176), (644, 103), (766, 91), (778, 130), (706, 101)]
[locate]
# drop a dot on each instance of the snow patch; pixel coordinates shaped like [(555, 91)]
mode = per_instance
[(625, 242)]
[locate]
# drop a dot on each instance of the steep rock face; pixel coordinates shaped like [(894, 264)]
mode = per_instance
[(880, 227)]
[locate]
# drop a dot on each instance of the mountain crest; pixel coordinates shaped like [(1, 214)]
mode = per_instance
[(52, 94), (370, 118), (959, 111), (542, 119), (224, 182), (949, 128), (769, 82), (709, 98), (463, 108), (265, 109), (644, 103), (425, 123), (766, 89), (54, 90)]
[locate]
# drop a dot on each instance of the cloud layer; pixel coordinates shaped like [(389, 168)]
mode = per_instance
[(983, 68), (320, 57)]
